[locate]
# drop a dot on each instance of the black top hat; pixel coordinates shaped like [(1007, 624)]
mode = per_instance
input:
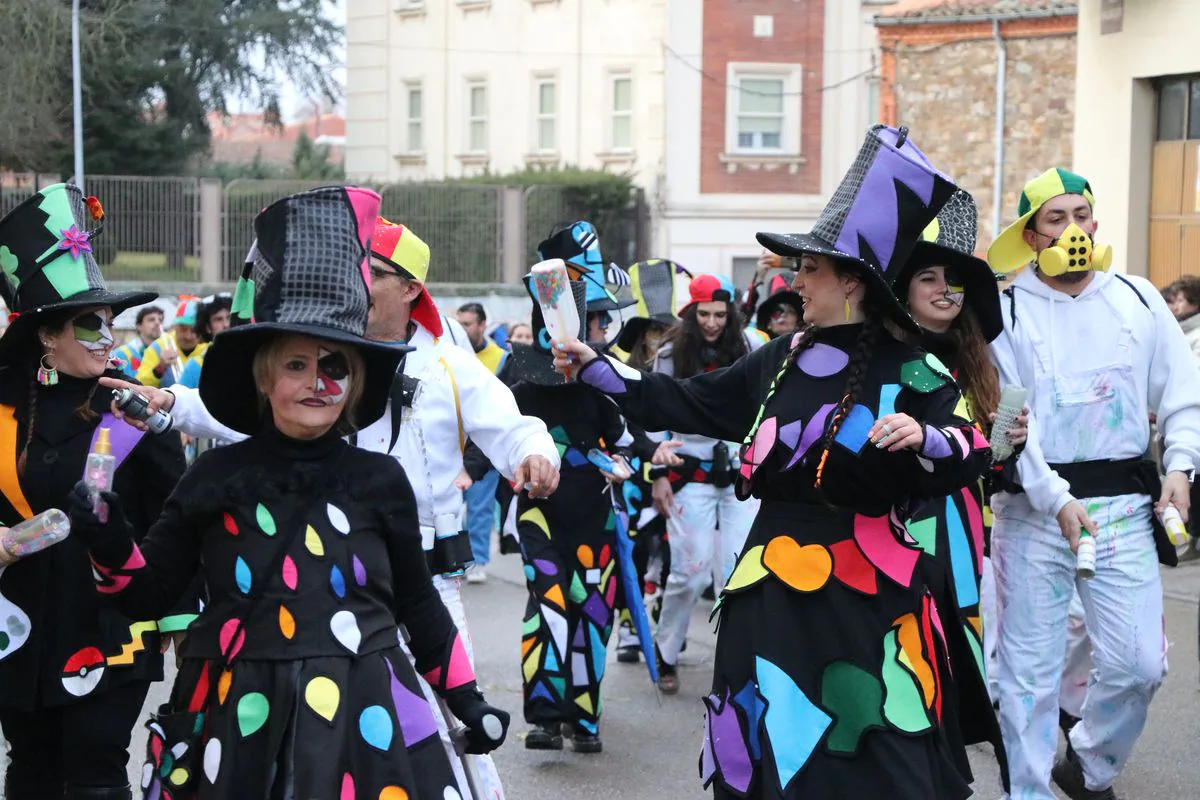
[(310, 278), (782, 295), (875, 217), (48, 265), (653, 285), (535, 362), (949, 241)]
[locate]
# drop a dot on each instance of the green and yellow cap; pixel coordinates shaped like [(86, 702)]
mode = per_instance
[(1010, 252)]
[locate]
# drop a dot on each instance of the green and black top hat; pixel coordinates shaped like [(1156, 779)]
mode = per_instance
[(48, 265)]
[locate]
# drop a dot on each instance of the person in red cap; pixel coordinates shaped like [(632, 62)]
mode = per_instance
[(706, 526)]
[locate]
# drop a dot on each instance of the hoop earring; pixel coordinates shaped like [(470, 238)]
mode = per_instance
[(47, 375), (846, 309)]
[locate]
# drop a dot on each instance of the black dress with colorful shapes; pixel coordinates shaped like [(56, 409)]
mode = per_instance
[(830, 661), (568, 542), (319, 701)]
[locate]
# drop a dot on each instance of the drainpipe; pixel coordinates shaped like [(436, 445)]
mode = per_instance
[(446, 138), (1001, 92), (578, 88)]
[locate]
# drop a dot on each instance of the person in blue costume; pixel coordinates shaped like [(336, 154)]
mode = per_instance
[(293, 682), (830, 663)]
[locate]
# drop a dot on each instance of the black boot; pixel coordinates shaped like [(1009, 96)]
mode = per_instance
[(668, 677), (584, 741), (544, 736), (99, 793), (1068, 776)]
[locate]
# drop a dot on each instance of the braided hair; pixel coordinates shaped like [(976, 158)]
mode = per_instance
[(861, 357)]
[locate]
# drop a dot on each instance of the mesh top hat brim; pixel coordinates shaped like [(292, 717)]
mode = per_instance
[(227, 381), (17, 341), (795, 245), (982, 293)]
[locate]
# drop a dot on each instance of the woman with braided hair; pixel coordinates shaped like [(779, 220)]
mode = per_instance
[(830, 663)]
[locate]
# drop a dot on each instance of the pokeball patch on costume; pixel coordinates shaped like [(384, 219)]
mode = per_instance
[(83, 672)]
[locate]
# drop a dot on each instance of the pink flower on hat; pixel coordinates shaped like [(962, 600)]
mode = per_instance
[(74, 240)]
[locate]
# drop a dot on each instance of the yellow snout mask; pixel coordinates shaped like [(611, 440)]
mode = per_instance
[(1074, 252)]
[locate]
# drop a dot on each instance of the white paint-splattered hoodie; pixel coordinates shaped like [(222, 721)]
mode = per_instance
[(1095, 366)]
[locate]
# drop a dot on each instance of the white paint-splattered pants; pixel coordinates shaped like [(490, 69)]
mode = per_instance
[(1123, 607), (450, 590), (1077, 662), (706, 535)]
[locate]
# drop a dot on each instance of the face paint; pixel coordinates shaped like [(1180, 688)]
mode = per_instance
[(333, 376), (954, 293), (93, 332)]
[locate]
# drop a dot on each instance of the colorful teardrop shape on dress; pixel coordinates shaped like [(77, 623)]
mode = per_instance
[(290, 576), (223, 684), (344, 627), (393, 793), (360, 571), (252, 711), (266, 523), (241, 572), (323, 697), (347, 792), (212, 759), (337, 582), (337, 518), (227, 630), (287, 623), (314, 545), (375, 725), (230, 523)]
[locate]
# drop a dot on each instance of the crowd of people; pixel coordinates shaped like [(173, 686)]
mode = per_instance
[(890, 549)]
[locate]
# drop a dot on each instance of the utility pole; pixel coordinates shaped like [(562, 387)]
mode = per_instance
[(78, 94)]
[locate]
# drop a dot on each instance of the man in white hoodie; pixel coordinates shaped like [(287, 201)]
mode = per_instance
[(1097, 351)]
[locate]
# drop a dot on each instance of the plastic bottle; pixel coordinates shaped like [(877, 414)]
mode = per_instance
[(34, 534), (98, 473), (1085, 556), (1177, 531), (1012, 402)]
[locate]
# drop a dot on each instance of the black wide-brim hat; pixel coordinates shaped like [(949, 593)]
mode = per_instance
[(874, 219), (47, 266), (310, 278), (235, 403), (636, 328), (767, 309), (949, 241)]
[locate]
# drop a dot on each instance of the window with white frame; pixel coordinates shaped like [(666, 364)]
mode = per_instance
[(621, 129), (763, 109), (546, 115), (414, 134), (477, 116)]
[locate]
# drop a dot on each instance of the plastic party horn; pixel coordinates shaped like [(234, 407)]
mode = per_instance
[(552, 287)]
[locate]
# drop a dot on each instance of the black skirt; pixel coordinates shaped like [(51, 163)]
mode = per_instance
[(830, 661), (329, 727)]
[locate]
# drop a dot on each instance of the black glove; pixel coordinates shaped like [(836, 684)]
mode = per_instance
[(486, 725), (109, 539)]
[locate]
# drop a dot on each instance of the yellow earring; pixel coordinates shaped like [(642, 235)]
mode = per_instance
[(846, 309)]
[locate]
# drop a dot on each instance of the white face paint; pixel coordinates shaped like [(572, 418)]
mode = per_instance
[(93, 331), (333, 376)]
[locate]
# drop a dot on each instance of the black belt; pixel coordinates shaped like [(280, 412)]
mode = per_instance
[(450, 554), (1117, 477)]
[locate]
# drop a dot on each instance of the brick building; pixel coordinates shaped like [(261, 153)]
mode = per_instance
[(940, 76), (767, 102)]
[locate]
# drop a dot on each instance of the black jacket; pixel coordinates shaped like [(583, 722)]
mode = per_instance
[(73, 630)]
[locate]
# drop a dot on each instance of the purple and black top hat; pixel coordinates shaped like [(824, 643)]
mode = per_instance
[(889, 196), (310, 277)]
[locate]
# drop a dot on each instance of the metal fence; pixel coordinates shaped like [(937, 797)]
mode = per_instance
[(183, 230)]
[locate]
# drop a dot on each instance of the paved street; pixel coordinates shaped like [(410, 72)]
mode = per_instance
[(651, 744)]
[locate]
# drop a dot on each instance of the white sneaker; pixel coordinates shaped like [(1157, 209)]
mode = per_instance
[(477, 575)]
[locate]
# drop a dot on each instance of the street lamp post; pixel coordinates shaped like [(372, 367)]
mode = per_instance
[(78, 93)]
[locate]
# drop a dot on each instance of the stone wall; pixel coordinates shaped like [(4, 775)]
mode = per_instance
[(946, 94)]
